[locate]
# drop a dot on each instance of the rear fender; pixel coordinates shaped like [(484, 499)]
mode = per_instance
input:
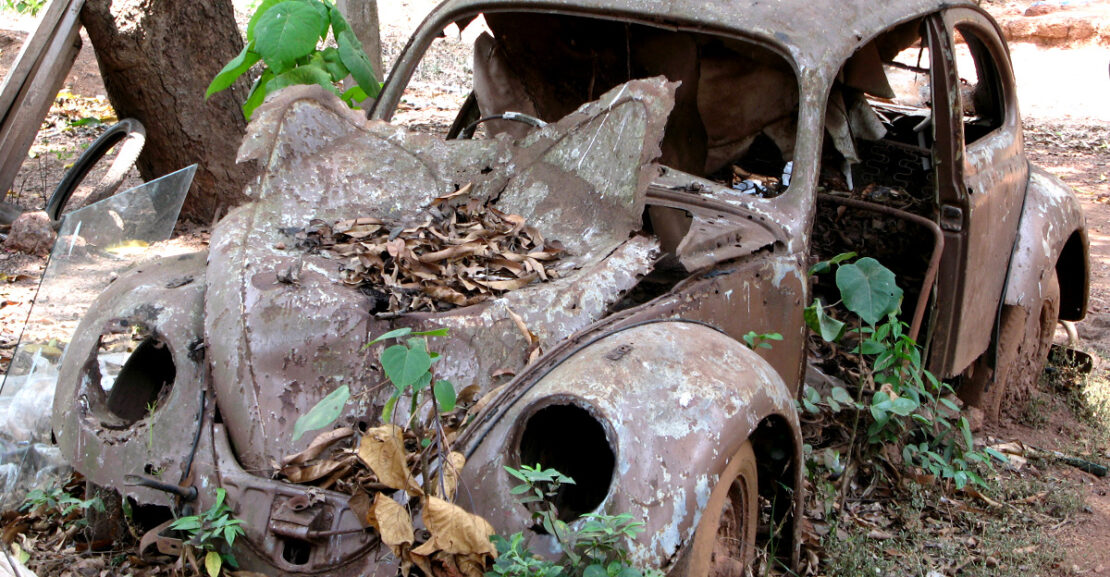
[(1053, 233), (674, 400)]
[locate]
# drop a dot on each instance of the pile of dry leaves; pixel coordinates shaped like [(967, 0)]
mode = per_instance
[(383, 463), (461, 252)]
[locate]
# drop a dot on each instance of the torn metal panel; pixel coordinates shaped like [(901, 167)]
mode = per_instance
[(285, 331)]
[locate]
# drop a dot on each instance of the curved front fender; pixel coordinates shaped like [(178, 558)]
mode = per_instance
[(676, 400), (1051, 217)]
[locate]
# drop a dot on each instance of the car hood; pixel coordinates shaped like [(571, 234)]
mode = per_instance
[(283, 330)]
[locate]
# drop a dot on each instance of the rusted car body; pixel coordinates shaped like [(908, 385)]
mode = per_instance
[(644, 390)]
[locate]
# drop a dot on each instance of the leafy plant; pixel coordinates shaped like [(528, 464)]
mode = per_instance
[(55, 502), (759, 341), (31, 7), (212, 532), (595, 549), (286, 35), (907, 404)]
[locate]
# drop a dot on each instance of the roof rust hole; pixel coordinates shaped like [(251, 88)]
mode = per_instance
[(147, 374), (569, 439)]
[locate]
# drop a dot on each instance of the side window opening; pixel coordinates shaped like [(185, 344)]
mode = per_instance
[(980, 85), (878, 152)]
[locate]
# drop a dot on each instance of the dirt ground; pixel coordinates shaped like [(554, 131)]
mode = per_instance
[(1064, 90)]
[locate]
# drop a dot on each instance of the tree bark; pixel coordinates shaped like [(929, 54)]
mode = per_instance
[(157, 58)]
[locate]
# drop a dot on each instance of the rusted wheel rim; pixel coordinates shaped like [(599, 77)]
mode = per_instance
[(732, 552)]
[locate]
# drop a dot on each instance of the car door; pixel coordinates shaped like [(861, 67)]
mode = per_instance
[(981, 184)]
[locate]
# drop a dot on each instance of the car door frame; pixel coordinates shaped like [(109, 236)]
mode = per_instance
[(981, 188)]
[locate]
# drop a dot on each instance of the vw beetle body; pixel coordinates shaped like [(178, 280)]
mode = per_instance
[(643, 373)]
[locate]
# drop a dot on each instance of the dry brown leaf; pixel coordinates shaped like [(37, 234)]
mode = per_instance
[(317, 446), (393, 523), (360, 504), (383, 451), (451, 471), (313, 472), (454, 530)]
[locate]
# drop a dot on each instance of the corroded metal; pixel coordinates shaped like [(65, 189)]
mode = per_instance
[(639, 334)]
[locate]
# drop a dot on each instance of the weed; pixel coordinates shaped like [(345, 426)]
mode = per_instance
[(907, 407), (597, 548), (55, 503), (213, 533), (760, 341)]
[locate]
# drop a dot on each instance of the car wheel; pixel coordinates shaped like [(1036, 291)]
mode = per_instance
[(724, 545), (1025, 337)]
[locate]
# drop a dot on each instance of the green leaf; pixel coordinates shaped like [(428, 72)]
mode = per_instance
[(1002, 458), (285, 32), (903, 406), (405, 366), (841, 394), (826, 265), (595, 570), (190, 523), (393, 334), (258, 12), (422, 383), (324, 413), (338, 22), (829, 328), (355, 59), (948, 403), (212, 563), (868, 289), (965, 428), (233, 70), (387, 410), (334, 64), (307, 74), (353, 96), (221, 494), (445, 396), (258, 93)]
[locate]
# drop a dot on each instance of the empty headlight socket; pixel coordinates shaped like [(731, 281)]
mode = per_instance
[(566, 433)]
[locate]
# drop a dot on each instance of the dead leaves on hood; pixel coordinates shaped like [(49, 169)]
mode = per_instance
[(458, 252), (381, 468)]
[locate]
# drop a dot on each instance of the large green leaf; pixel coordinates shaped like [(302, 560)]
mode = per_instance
[(286, 32), (258, 12), (354, 58), (233, 70), (324, 413), (405, 366), (307, 74), (868, 289)]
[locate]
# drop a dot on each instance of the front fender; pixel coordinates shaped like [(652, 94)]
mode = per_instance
[(148, 423), (1053, 230), (675, 401)]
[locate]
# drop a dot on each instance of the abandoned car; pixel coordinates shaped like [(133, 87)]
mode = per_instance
[(688, 161)]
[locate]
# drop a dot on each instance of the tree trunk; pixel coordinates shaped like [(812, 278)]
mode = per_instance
[(157, 58)]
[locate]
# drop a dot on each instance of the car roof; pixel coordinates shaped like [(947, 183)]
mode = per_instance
[(811, 32)]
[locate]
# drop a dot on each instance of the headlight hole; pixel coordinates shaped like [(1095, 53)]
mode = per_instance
[(571, 440)]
